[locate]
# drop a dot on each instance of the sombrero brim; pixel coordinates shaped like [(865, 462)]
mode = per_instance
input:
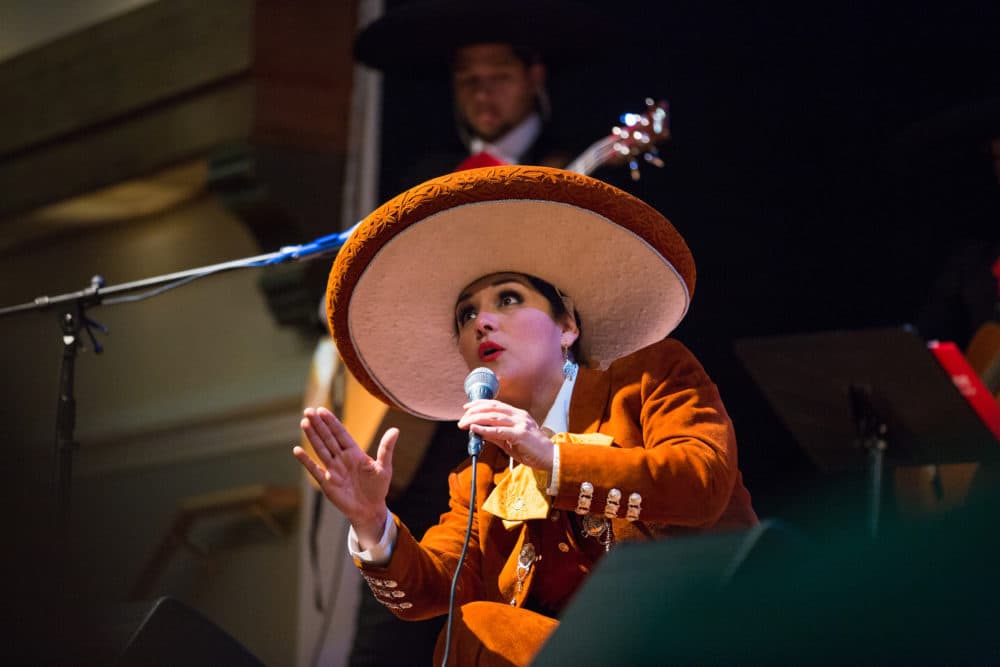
[(955, 129), (420, 38), (394, 284)]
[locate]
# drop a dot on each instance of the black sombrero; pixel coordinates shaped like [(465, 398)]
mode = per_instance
[(420, 38)]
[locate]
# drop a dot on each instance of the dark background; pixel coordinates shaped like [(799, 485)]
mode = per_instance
[(806, 170)]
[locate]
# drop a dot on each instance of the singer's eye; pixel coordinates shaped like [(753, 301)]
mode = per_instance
[(465, 314), (510, 298)]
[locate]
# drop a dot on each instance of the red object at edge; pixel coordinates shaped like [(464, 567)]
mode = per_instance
[(481, 159), (968, 384)]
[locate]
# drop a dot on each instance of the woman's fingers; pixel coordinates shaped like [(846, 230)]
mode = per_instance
[(487, 417), (488, 406), (322, 420), (490, 431), (386, 446), (317, 472), (336, 429), (326, 433), (348, 477), (314, 432)]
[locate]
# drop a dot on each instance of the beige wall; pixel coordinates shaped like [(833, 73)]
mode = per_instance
[(200, 352), (30, 24), (197, 391)]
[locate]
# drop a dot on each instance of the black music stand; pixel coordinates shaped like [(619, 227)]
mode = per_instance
[(854, 400)]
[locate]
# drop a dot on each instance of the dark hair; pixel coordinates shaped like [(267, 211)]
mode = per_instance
[(555, 299)]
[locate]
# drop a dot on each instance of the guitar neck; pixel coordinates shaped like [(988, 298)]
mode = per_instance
[(636, 137), (595, 156)]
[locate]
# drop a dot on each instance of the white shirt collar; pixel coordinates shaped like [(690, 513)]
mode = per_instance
[(557, 421), (513, 145)]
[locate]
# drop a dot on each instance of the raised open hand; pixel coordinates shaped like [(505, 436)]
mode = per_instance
[(354, 482)]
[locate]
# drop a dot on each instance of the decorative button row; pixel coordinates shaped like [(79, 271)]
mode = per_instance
[(401, 605), (386, 591), (381, 583), (612, 505), (384, 596)]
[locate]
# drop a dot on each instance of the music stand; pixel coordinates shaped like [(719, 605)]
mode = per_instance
[(854, 400)]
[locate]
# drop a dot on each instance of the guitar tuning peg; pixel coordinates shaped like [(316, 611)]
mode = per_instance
[(657, 113), (654, 159), (641, 137), (633, 119)]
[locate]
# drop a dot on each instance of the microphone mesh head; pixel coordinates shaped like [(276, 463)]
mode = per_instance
[(481, 383)]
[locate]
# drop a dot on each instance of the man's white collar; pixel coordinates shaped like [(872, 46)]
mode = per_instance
[(512, 146)]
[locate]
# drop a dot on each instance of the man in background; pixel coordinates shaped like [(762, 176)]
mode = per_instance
[(950, 165), (496, 59)]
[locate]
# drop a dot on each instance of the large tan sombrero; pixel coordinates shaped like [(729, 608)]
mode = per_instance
[(393, 287)]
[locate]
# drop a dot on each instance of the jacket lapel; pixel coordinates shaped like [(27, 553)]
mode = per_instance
[(590, 396)]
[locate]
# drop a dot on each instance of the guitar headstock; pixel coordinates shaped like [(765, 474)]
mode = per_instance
[(639, 134)]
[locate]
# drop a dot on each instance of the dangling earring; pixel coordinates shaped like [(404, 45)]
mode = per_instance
[(569, 366)]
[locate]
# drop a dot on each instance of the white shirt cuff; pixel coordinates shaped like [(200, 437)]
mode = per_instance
[(553, 489), (381, 552)]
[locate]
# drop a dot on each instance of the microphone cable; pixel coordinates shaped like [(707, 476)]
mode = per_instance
[(481, 383), (461, 560)]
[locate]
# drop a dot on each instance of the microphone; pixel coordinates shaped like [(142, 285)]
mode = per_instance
[(480, 383)]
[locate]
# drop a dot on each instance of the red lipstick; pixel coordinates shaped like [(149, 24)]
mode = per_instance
[(489, 351)]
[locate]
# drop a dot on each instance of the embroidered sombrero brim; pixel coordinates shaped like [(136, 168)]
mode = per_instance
[(393, 287)]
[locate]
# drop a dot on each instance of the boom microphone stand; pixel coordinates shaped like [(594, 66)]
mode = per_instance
[(73, 319)]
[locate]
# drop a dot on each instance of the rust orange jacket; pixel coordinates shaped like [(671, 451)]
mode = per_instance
[(673, 445)]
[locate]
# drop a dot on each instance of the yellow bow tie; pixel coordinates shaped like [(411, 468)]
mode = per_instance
[(520, 493), (519, 496)]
